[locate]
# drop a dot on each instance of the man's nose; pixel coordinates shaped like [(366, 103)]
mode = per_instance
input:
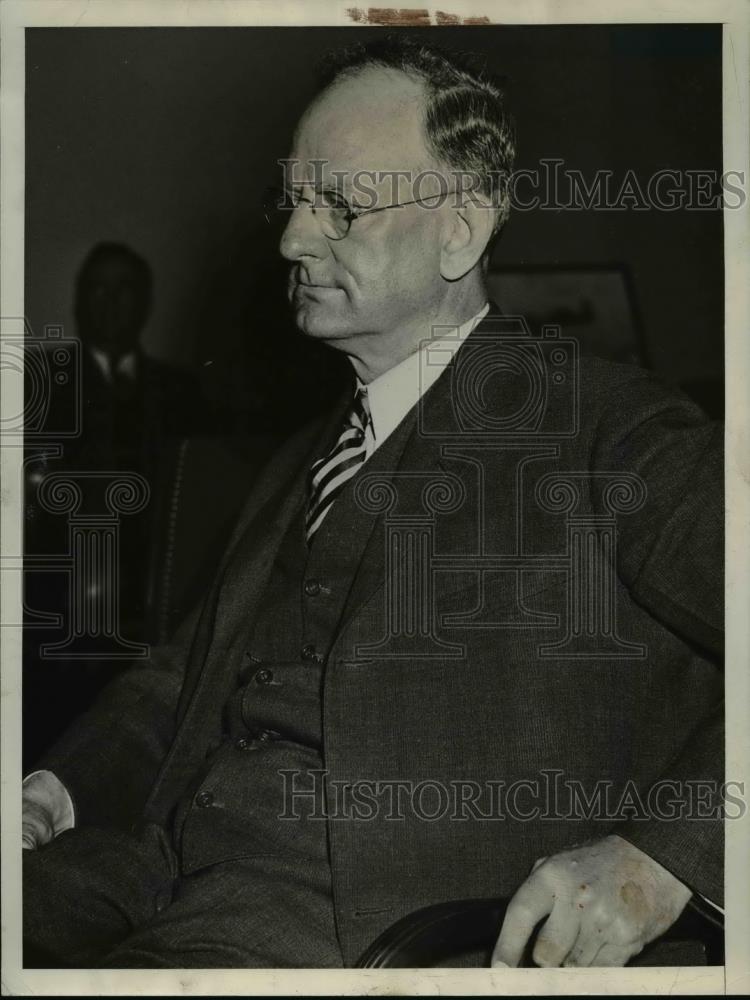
[(302, 236)]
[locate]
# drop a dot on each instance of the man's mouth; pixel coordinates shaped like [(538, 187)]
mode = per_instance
[(299, 278), (312, 291)]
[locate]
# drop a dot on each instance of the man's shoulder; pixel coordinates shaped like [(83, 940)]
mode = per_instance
[(533, 386), (616, 392), (550, 368)]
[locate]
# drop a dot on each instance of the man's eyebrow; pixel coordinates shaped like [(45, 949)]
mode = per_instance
[(318, 188), (325, 189), (338, 190)]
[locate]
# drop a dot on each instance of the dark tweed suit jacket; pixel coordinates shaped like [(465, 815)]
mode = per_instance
[(494, 696)]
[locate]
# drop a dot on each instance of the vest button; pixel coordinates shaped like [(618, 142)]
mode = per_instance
[(204, 799), (243, 743), (308, 652), (312, 588), (264, 676)]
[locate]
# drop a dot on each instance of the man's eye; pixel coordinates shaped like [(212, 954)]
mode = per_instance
[(332, 200), (323, 199)]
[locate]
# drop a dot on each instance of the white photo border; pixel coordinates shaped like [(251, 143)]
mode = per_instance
[(734, 977)]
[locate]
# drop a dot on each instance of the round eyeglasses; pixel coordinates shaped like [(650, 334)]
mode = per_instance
[(333, 213)]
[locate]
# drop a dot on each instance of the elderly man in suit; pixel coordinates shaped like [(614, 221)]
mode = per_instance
[(426, 596)]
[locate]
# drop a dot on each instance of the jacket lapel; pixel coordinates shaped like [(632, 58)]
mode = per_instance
[(268, 514), (417, 462), (229, 608), (244, 570)]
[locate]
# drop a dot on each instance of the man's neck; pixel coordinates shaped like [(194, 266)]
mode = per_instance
[(385, 351)]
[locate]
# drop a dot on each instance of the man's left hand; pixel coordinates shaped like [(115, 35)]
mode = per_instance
[(604, 901)]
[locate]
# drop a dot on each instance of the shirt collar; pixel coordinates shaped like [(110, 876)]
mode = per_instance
[(125, 366), (392, 394)]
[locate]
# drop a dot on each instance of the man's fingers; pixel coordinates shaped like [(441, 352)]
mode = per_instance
[(612, 894), (36, 827), (28, 839), (612, 956), (586, 948), (32, 836), (531, 903), (557, 936)]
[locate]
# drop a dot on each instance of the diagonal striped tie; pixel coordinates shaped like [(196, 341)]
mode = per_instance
[(330, 474)]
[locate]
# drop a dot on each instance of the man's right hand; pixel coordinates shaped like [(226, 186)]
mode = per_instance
[(47, 809), (37, 825)]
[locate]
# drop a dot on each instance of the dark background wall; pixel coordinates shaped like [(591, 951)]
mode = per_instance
[(165, 138)]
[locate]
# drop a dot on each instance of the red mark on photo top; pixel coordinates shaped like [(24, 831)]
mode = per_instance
[(407, 16)]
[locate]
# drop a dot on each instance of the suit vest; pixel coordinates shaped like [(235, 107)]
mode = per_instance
[(262, 789)]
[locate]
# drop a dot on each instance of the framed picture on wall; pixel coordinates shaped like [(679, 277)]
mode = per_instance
[(596, 304)]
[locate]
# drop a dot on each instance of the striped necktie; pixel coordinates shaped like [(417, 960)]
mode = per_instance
[(329, 475)]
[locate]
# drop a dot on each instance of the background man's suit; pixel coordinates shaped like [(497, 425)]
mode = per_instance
[(498, 713)]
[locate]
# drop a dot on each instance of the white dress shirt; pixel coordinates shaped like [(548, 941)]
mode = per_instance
[(396, 391)]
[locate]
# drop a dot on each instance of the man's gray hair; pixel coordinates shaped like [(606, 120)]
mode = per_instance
[(467, 126)]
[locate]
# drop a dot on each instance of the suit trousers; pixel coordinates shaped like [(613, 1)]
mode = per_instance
[(106, 899)]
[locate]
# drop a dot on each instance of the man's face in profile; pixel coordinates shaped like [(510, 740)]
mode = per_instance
[(385, 273)]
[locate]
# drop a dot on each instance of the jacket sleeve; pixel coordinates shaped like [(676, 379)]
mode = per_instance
[(671, 550), (670, 555), (109, 757)]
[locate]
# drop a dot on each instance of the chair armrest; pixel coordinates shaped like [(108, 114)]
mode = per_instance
[(436, 934)]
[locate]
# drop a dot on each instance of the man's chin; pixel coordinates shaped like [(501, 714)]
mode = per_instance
[(319, 322)]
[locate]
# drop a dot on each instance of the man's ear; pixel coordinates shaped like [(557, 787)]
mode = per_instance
[(469, 230)]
